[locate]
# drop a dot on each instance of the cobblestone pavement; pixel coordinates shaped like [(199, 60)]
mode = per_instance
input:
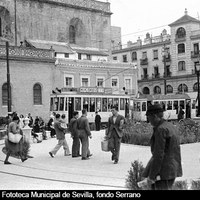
[(98, 173)]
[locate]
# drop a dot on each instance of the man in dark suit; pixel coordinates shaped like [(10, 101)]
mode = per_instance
[(115, 133), (74, 135), (84, 132), (60, 135), (165, 163)]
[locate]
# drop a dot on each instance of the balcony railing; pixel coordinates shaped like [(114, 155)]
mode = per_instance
[(167, 58), (195, 54), (156, 75), (144, 77), (168, 74), (144, 61)]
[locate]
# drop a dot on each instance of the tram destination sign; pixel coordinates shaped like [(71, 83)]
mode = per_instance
[(96, 90)]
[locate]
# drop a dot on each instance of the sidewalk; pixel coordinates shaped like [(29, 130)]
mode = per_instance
[(99, 173)]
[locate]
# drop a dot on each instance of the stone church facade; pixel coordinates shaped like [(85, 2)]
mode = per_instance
[(57, 34)]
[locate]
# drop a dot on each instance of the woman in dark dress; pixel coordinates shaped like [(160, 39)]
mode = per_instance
[(14, 148)]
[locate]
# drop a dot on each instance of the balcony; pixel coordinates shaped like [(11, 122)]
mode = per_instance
[(167, 58), (195, 54), (144, 77), (168, 74), (144, 61), (155, 76)]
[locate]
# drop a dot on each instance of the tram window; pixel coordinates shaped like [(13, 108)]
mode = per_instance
[(176, 106), (61, 107), (144, 106), (104, 104), (163, 104), (51, 104), (98, 104), (110, 103), (116, 102), (169, 105), (122, 104), (92, 104), (56, 103), (86, 103), (193, 104), (182, 104), (138, 106), (77, 103), (66, 104)]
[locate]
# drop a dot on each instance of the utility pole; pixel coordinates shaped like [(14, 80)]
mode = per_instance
[(8, 77)]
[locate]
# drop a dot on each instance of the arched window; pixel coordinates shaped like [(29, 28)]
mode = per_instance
[(195, 87), (72, 35), (146, 90), (181, 33), (134, 56), (169, 89), (181, 66), (157, 90), (5, 94), (37, 94), (181, 48), (182, 88)]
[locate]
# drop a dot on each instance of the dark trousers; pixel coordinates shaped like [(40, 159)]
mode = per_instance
[(85, 144), (75, 146), (114, 145), (98, 125), (163, 185)]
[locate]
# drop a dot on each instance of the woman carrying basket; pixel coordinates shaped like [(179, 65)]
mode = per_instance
[(14, 148)]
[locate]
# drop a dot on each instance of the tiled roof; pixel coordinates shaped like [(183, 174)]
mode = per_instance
[(185, 19), (59, 47)]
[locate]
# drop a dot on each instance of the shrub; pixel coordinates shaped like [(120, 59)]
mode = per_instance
[(134, 175), (180, 185), (139, 133), (195, 185)]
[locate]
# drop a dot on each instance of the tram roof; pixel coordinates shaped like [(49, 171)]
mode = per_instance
[(149, 97)]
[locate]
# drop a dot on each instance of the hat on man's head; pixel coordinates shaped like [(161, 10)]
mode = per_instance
[(153, 109)]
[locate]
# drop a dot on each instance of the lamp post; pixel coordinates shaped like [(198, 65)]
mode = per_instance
[(198, 97)]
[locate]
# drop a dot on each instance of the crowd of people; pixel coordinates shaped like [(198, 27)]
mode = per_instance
[(163, 167)]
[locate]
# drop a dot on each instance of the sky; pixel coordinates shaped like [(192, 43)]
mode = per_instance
[(136, 18)]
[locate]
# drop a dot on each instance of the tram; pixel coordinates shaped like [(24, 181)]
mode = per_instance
[(91, 99), (171, 104)]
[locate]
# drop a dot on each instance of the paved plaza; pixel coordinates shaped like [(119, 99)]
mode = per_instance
[(98, 173)]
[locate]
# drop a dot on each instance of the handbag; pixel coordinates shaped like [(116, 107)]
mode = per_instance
[(104, 145), (15, 138)]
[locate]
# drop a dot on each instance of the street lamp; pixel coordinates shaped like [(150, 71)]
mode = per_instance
[(198, 72)]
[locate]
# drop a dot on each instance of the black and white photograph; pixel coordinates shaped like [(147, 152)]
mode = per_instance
[(99, 98)]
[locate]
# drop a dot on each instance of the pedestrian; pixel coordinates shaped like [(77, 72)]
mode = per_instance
[(181, 113), (60, 135), (115, 133), (84, 132), (165, 163), (74, 135), (14, 148), (97, 121), (188, 110), (50, 126)]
